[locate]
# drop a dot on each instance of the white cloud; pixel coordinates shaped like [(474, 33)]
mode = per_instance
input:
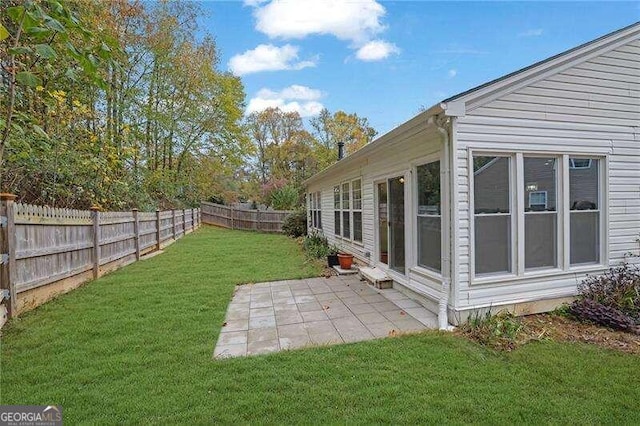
[(295, 98), (253, 3), (355, 21), (452, 73), (267, 57), (376, 50), (536, 32)]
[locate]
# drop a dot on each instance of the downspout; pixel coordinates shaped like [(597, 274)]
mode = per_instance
[(443, 316)]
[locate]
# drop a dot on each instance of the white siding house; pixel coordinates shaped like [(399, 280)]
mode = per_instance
[(502, 197)]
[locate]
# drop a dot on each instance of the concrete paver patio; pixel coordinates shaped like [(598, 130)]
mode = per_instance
[(273, 316)]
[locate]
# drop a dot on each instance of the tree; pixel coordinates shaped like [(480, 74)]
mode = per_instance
[(352, 130), (43, 45), (103, 111)]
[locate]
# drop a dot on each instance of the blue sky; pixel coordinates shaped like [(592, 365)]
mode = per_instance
[(383, 60)]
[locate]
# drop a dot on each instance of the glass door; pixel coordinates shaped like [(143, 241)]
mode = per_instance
[(396, 224), (383, 224)]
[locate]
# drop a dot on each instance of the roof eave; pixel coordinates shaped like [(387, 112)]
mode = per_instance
[(463, 99)]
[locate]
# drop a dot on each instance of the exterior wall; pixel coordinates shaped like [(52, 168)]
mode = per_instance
[(395, 157), (592, 108)]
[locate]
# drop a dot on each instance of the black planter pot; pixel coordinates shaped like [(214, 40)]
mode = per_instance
[(332, 260)]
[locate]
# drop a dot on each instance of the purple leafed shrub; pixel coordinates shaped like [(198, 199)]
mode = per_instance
[(611, 299)]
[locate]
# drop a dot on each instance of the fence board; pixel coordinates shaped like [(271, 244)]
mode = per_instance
[(257, 220), (54, 248)]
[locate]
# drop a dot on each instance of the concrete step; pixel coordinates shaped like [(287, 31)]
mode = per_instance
[(376, 277), (340, 271)]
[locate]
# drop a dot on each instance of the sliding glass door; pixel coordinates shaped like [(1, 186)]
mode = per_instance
[(390, 208)]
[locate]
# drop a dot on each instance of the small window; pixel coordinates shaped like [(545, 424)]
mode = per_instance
[(538, 200), (579, 163)]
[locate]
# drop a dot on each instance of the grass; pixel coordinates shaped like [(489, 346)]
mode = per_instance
[(136, 347)]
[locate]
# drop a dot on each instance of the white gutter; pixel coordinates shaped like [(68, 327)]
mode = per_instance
[(443, 317)]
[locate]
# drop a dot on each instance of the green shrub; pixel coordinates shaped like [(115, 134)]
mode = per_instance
[(499, 331), (285, 198), (295, 224), (611, 299), (316, 246)]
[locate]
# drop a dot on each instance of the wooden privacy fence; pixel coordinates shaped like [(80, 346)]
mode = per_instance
[(47, 251), (256, 220)]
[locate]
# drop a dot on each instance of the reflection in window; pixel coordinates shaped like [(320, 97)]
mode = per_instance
[(429, 218), (584, 205), (492, 214)]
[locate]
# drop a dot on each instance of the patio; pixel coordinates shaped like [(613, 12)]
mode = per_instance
[(273, 316)]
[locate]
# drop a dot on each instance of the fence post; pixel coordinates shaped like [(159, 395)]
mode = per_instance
[(95, 216), (136, 231), (258, 224), (193, 219), (173, 222), (8, 251), (231, 210), (184, 222), (158, 229)]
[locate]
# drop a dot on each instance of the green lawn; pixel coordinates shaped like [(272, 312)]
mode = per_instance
[(136, 347)]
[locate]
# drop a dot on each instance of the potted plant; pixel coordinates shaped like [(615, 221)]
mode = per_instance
[(346, 260), (332, 256)]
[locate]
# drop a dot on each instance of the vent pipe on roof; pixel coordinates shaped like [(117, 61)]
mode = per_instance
[(340, 150)]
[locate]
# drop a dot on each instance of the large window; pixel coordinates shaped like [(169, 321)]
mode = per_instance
[(492, 214), (336, 210), (584, 208), (346, 226), (347, 205), (540, 213), (356, 197), (315, 210), (429, 216), (539, 209)]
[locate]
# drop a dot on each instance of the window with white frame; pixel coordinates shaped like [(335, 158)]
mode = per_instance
[(429, 216), (540, 213), (356, 209), (584, 216), (541, 207), (492, 214), (346, 206), (336, 210), (579, 163), (538, 200), (315, 210)]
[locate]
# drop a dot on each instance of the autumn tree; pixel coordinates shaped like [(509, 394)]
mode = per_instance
[(329, 129), (98, 107)]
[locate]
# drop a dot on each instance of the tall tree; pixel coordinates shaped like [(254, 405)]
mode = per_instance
[(354, 131)]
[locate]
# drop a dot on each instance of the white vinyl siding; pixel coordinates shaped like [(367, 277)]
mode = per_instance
[(590, 110), (393, 159)]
